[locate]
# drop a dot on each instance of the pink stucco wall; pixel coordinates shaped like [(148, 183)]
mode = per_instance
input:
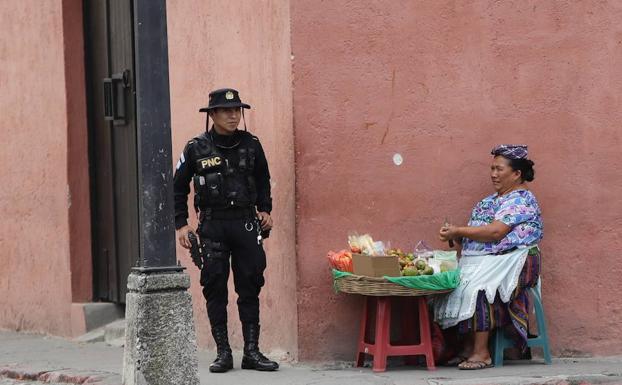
[(215, 44), (441, 82), (35, 273)]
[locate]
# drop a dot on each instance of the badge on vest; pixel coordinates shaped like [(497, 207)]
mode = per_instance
[(207, 163)]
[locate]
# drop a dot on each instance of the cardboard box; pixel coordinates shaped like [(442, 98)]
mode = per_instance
[(377, 266)]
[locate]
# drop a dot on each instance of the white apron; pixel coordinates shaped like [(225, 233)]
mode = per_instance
[(490, 273)]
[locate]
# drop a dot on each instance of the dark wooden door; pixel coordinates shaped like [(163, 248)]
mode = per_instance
[(109, 55)]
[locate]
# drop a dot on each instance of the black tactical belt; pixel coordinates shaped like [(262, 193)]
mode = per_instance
[(229, 213)]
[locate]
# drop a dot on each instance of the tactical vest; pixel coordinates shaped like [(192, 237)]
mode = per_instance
[(223, 181)]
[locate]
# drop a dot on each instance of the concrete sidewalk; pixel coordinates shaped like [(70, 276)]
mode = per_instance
[(39, 359)]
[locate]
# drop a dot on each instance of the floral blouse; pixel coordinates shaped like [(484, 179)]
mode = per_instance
[(518, 209)]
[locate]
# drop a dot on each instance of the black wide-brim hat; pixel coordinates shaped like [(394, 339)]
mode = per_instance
[(224, 98)]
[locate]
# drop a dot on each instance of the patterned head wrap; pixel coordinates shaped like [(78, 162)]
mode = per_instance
[(510, 151)]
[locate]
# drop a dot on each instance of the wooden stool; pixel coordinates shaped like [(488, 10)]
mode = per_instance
[(381, 348)]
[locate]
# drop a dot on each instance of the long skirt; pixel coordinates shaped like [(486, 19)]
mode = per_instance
[(514, 315)]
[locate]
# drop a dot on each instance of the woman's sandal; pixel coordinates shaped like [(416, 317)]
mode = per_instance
[(456, 360), (475, 365)]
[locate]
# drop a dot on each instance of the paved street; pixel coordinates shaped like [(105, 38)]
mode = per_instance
[(54, 360), (9, 381)]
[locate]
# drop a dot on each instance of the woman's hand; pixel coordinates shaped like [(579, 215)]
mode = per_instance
[(449, 232), (182, 236)]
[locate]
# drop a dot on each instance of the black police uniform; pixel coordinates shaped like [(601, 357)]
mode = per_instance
[(231, 182)]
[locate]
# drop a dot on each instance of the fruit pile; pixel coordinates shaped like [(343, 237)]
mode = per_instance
[(410, 266), (420, 267)]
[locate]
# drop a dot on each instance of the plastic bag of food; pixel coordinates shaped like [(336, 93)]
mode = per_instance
[(353, 242), (379, 248), (361, 244), (448, 260), (422, 250), (435, 264), (341, 260)]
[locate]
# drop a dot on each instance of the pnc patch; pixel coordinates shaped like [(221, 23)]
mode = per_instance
[(210, 162)]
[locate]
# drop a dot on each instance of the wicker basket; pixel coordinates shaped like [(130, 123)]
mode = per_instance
[(380, 287)]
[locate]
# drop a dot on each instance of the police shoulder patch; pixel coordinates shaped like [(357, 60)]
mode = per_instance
[(181, 161)]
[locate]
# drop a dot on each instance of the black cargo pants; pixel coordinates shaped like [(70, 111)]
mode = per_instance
[(232, 243)]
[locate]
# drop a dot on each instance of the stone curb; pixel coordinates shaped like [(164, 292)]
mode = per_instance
[(581, 379), (79, 377), (62, 375)]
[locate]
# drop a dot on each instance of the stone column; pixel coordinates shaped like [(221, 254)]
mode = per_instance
[(160, 347)]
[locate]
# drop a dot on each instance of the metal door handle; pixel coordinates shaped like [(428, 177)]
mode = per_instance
[(114, 97)]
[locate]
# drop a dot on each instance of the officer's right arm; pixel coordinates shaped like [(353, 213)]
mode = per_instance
[(181, 189)]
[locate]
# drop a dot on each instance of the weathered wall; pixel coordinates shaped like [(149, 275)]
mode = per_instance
[(77, 154), (35, 282), (441, 82), (214, 44)]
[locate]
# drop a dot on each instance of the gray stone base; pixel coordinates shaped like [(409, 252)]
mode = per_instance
[(160, 340)]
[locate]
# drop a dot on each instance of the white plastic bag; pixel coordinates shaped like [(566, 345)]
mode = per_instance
[(422, 250)]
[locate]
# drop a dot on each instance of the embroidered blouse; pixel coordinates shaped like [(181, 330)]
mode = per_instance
[(518, 209)]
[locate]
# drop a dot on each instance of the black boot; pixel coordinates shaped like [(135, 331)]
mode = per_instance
[(224, 359), (253, 359)]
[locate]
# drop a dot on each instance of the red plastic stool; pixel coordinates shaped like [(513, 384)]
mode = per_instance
[(381, 348)]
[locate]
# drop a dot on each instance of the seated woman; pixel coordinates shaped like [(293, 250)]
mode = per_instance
[(500, 259)]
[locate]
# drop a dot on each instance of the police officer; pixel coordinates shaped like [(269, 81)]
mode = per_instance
[(231, 180)]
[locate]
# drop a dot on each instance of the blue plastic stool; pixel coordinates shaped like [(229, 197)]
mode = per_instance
[(501, 341)]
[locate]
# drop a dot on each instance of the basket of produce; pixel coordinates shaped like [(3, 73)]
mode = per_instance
[(391, 272), (380, 286)]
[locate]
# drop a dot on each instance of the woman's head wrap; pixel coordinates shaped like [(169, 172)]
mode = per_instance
[(511, 151)]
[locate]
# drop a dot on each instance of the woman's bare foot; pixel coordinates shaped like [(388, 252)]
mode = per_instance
[(474, 363), (480, 358)]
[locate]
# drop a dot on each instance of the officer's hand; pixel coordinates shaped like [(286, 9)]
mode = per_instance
[(265, 220), (182, 236)]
